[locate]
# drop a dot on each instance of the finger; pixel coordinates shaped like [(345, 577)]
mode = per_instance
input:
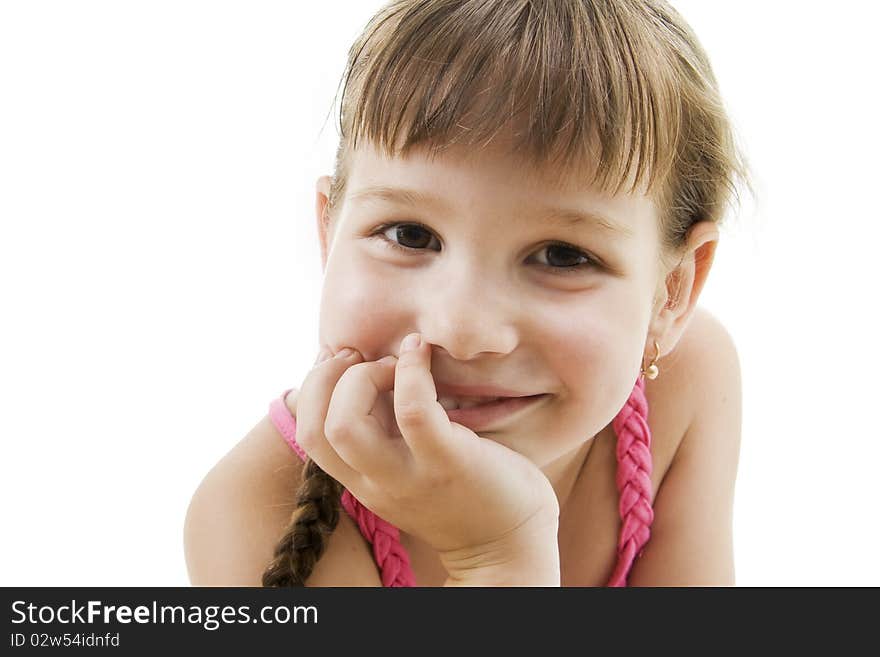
[(311, 413), (422, 420), (353, 429)]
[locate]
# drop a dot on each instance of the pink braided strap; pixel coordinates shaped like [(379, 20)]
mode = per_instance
[(388, 552), (284, 422), (384, 537), (633, 480)]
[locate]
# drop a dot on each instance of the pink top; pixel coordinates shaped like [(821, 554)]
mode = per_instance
[(633, 484)]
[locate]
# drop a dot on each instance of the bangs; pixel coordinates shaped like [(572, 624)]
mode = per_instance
[(570, 84)]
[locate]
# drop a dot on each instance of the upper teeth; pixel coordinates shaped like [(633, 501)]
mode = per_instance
[(452, 403)]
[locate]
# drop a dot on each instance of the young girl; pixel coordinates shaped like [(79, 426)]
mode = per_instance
[(528, 191)]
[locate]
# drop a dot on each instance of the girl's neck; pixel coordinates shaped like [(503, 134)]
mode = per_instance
[(564, 472)]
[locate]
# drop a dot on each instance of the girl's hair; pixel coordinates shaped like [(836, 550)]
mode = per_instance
[(610, 92)]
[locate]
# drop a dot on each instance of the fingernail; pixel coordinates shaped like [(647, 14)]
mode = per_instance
[(323, 355), (344, 353), (410, 342)]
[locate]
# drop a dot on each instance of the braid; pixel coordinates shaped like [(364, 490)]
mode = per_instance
[(316, 516), (633, 480)]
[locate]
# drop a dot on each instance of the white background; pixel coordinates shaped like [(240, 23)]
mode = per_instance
[(160, 271)]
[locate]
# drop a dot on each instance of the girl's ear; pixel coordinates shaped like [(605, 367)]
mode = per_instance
[(682, 288), (322, 196)]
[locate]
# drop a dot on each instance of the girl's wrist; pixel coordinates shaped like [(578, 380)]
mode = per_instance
[(529, 573), (528, 557)]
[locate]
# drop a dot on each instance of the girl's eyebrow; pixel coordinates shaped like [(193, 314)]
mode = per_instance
[(569, 217)]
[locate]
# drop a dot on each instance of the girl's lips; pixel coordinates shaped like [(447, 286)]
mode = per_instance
[(484, 416)]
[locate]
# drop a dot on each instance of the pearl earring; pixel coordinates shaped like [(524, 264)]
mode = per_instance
[(652, 370)]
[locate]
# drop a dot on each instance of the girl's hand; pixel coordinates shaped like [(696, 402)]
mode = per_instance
[(466, 496)]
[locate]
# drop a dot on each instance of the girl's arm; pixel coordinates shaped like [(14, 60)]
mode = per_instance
[(691, 541)]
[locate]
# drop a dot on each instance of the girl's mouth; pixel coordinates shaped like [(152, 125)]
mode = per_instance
[(451, 403), (480, 413)]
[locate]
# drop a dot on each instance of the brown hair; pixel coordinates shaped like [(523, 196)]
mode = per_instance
[(611, 92)]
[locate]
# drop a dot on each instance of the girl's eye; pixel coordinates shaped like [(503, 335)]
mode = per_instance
[(414, 234), (419, 237)]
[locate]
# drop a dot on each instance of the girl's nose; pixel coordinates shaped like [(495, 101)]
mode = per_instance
[(468, 319)]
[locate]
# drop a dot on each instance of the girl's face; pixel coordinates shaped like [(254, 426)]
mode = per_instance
[(505, 294)]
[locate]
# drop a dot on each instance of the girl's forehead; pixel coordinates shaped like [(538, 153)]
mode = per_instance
[(470, 176)]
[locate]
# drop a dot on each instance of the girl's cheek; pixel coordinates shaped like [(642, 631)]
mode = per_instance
[(580, 342), (591, 359), (361, 314)]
